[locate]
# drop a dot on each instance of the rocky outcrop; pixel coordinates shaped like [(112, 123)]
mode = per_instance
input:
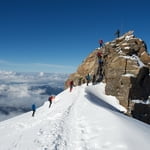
[(89, 65), (127, 74), (125, 69), (142, 112)]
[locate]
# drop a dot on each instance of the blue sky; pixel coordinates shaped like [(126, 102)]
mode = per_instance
[(56, 35)]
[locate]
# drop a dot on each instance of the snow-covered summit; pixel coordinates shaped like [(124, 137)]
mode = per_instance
[(84, 119)]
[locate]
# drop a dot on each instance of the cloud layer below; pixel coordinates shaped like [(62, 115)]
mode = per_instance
[(18, 91)]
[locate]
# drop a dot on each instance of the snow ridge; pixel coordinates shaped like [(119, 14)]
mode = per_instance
[(84, 119)]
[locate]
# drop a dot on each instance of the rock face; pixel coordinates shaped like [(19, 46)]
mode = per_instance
[(89, 65), (141, 112), (125, 69)]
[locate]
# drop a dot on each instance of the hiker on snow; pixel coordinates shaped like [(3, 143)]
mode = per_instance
[(71, 84), (33, 109), (50, 99), (88, 78)]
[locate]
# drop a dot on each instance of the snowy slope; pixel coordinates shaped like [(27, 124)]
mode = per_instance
[(85, 119)]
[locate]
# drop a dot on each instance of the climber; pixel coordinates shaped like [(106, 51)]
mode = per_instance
[(101, 43), (83, 81), (100, 70), (88, 78), (93, 79), (50, 99), (117, 33), (33, 109), (80, 81), (99, 55), (71, 84), (100, 62)]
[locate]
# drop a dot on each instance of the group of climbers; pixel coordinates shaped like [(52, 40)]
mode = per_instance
[(50, 99), (98, 76), (100, 58), (88, 78), (95, 78)]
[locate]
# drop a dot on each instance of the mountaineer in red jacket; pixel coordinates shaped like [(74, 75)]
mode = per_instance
[(71, 84), (50, 99)]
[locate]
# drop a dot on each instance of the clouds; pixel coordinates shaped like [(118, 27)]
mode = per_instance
[(18, 91)]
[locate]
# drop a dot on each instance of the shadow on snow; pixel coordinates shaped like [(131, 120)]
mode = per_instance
[(97, 101)]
